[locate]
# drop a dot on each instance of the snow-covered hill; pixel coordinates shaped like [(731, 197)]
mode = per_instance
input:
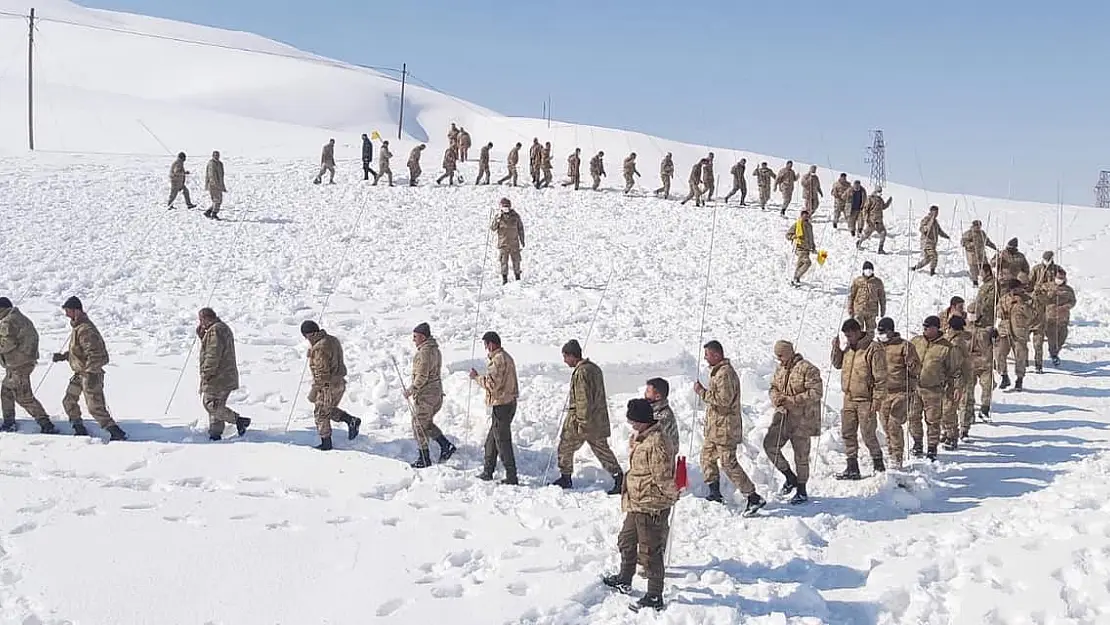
[(171, 528)]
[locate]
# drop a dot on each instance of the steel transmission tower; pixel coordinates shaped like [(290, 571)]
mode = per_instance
[(1102, 190), (876, 157)]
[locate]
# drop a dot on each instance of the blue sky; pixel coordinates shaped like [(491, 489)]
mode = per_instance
[(989, 97)]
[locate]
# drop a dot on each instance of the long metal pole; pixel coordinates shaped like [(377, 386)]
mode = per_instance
[(31, 81), (401, 117)]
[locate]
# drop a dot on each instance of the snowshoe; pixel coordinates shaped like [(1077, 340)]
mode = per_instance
[(715, 492), (800, 496), (617, 584), (423, 461), (325, 444), (241, 425), (116, 434), (564, 482), (755, 502), (9, 425), (618, 483), (352, 428), (654, 602), (850, 472), (1005, 383), (46, 426), (79, 429)]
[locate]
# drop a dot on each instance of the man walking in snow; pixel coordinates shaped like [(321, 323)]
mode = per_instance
[(764, 178), (177, 181), (647, 497), (857, 199), (574, 169), (19, 353), (708, 178), (1015, 318), (867, 298), (841, 190), (597, 169), (724, 429), (426, 394), (535, 159), (329, 382), (930, 233), (1011, 264), (982, 363), (510, 238), (903, 368), (368, 158), (666, 173), (796, 392), (384, 170), (500, 384), (219, 373), (630, 173), (784, 181), (975, 243), (739, 183), (586, 421), (464, 144), (414, 164), (1059, 299), (87, 356), (811, 190), (511, 162), (214, 183), (801, 233), (483, 164), (327, 163), (545, 166), (863, 379), (453, 137), (695, 185), (870, 219), (448, 167), (955, 417), (940, 370)]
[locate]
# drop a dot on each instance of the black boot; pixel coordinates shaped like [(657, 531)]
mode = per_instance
[(791, 483), (510, 480), (504, 278), (800, 496), (423, 461), (446, 449), (755, 502), (46, 426), (241, 425), (881, 250), (618, 482), (9, 425), (931, 454), (617, 583), (715, 491), (208, 213), (918, 449), (950, 443), (517, 274), (116, 434), (1005, 383), (851, 471), (325, 444), (353, 424), (1038, 368), (563, 482), (79, 429), (215, 437), (878, 464), (654, 602), (985, 413), (486, 476), (1017, 384)]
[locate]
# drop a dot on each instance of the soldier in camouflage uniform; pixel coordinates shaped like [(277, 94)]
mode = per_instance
[(708, 178), (587, 420), (510, 238), (863, 379), (811, 190), (657, 390), (453, 137), (930, 233), (954, 416), (903, 369), (784, 181), (1059, 299), (872, 215), (502, 392), (666, 174), (574, 169), (535, 159), (414, 164), (867, 298), (329, 382), (739, 183), (384, 170), (597, 169), (941, 366), (841, 192), (87, 356), (630, 173), (483, 164), (1015, 318), (327, 164), (695, 185), (545, 165), (464, 144), (426, 397), (1010, 264), (804, 245), (19, 353), (796, 392), (219, 373), (975, 243), (981, 354), (764, 178), (214, 183), (449, 165), (177, 181), (511, 162)]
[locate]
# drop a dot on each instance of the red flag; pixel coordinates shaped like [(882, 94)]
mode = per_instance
[(680, 473)]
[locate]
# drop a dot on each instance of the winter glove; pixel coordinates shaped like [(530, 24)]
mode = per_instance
[(57, 357)]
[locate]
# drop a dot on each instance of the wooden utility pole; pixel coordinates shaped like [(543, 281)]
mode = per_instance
[(401, 117), (31, 80)]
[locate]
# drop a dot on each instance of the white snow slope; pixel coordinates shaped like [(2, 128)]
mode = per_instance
[(170, 528)]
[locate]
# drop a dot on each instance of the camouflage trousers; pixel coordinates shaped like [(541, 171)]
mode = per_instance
[(873, 227), (664, 190), (424, 428), (574, 180), (414, 175), (510, 176), (16, 389), (983, 378), (975, 262), (710, 186), (545, 181), (483, 171), (802, 265), (812, 202), (629, 182), (1055, 332), (328, 168), (695, 194), (176, 188), (787, 197), (892, 416), (858, 418), (572, 440), (505, 255), (928, 257), (867, 322), (215, 404), (955, 394), (449, 174), (384, 171), (597, 181), (91, 385), (325, 407), (927, 402), (1003, 348), (764, 195), (463, 153), (647, 532), (717, 458), (217, 199), (839, 210), (783, 430), (738, 186)]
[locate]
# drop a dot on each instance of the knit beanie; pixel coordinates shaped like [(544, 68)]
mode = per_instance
[(423, 328), (639, 411), (5, 302), (309, 327), (72, 304)]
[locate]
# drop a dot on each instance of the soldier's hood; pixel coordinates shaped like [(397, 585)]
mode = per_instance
[(648, 431), (661, 404), (429, 343)]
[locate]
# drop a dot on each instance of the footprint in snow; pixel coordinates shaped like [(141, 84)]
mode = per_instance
[(462, 534), (339, 520), (37, 508), (135, 466), (517, 588), (139, 506), (391, 521), (24, 528), (389, 607), (528, 542), (255, 478), (447, 592), (456, 513), (417, 505), (90, 511), (241, 517)]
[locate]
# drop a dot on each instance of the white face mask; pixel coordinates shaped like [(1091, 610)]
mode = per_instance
[(883, 338), (1059, 280), (868, 273)]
